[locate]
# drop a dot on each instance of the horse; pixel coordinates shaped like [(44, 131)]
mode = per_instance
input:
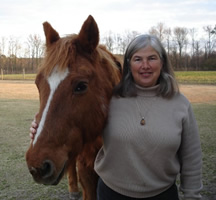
[(75, 83)]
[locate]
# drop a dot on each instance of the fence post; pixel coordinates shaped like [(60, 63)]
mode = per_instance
[(2, 76)]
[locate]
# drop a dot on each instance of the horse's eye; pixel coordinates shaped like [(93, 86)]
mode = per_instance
[(81, 87)]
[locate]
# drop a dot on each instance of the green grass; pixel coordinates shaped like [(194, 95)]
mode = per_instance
[(196, 77), (17, 183), (15, 180), (18, 77), (183, 77), (206, 115)]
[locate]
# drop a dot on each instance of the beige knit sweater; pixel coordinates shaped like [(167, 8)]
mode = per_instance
[(143, 161)]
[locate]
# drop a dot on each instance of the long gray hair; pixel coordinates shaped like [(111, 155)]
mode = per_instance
[(168, 85)]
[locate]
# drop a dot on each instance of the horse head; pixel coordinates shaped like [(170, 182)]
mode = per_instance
[(75, 85)]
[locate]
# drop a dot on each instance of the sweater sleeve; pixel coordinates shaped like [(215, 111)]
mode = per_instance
[(191, 158)]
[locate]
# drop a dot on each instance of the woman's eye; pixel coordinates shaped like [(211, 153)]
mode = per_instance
[(152, 58), (81, 87), (137, 59)]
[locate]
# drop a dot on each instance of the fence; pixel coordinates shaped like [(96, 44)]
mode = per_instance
[(18, 76)]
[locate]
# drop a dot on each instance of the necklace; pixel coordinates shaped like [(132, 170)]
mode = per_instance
[(143, 121)]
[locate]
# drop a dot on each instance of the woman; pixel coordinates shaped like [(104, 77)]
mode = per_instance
[(151, 135)]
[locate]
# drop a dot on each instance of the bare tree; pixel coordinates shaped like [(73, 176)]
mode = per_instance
[(197, 53), (13, 48), (180, 37), (128, 36), (118, 47), (117, 43), (159, 30), (192, 33), (211, 39), (202, 53), (2, 46), (36, 49), (108, 41), (168, 35), (2, 53)]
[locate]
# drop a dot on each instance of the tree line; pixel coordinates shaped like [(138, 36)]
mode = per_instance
[(186, 49)]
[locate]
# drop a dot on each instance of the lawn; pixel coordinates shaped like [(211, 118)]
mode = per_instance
[(196, 77), (206, 115), (17, 183), (18, 77)]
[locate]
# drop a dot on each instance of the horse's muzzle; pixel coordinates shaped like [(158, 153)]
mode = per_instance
[(46, 174)]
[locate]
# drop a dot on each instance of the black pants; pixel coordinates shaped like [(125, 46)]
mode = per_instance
[(106, 193)]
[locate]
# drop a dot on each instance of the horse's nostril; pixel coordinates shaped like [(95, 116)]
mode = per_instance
[(33, 171), (47, 169)]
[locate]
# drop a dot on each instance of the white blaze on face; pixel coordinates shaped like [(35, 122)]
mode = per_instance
[(53, 80)]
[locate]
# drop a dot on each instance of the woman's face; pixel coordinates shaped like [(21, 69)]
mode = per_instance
[(146, 67)]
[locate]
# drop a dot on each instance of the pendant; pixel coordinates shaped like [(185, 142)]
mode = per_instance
[(142, 122)]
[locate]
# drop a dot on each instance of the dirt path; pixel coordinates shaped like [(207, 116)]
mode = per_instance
[(18, 90), (28, 90), (199, 93)]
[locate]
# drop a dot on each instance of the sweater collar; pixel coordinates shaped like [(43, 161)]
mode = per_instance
[(147, 92)]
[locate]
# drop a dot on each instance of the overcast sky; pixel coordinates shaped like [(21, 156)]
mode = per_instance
[(20, 18)]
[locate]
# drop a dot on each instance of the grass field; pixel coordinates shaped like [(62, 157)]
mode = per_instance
[(16, 182), (186, 77), (196, 77), (206, 115), (18, 77)]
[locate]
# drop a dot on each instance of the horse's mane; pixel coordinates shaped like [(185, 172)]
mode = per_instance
[(105, 55), (58, 54), (64, 51)]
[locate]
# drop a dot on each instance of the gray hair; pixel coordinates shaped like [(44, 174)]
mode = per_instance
[(167, 83)]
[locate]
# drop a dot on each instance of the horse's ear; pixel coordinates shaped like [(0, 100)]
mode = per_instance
[(50, 33), (89, 35)]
